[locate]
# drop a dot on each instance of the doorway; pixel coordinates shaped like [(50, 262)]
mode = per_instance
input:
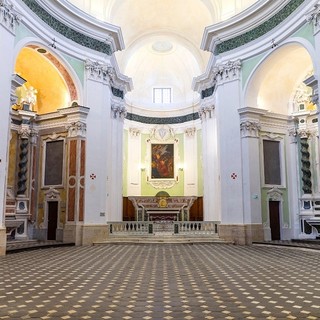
[(274, 218), (52, 219)]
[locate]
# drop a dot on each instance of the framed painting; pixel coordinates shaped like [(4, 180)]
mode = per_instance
[(162, 161)]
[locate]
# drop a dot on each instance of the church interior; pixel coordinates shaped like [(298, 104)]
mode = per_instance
[(189, 115)]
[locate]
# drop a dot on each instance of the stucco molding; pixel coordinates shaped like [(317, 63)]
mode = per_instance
[(9, 18)]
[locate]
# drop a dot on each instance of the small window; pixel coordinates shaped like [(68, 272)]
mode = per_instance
[(161, 95), (272, 166)]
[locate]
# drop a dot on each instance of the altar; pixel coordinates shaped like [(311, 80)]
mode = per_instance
[(162, 208)]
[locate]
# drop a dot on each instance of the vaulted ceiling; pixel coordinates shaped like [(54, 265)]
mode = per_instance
[(162, 40)]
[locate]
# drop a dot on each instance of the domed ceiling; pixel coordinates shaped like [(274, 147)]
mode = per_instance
[(162, 39)]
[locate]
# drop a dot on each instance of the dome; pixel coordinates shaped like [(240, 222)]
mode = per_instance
[(162, 39)]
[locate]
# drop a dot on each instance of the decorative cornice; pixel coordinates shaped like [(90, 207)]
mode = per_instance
[(250, 129), (8, 16), (314, 16), (16, 82), (76, 129), (218, 74), (258, 31), (99, 71), (68, 32), (162, 133)]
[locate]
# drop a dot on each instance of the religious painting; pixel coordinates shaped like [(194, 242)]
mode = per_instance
[(162, 161)]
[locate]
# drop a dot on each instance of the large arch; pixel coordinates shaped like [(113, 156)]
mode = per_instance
[(55, 82), (273, 82)]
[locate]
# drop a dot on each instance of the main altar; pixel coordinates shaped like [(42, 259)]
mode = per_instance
[(162, 208)]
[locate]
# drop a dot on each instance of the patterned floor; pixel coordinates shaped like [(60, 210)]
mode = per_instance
[(161, 281)]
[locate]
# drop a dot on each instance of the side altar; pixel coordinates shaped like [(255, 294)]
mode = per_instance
[(162, 208)]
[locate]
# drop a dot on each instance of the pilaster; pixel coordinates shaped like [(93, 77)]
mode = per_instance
[(249, 129), (211, 186), (75, 181), (118, 113)]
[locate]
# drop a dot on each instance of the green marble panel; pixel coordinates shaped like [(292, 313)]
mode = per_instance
[(66, 31), (260, 30)]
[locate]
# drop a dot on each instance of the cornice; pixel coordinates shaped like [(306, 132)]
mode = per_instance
[(77, 26), (217, 74), (108, 74), (251, 24)]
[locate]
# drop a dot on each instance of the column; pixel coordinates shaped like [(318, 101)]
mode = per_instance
[(251, 184), (8, 21), (25, 133)]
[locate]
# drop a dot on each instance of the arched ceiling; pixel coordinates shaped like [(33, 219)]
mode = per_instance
[(162, 39)]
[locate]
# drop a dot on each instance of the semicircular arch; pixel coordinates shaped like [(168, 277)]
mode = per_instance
[(273, 81)]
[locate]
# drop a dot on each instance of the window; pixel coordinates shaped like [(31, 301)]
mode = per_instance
[(161, 95), (272, 162), (53, 163)]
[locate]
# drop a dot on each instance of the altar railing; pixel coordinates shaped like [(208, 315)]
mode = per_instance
[(149, 228)]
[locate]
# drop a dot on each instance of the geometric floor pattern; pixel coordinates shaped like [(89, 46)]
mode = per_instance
[(161, 281)]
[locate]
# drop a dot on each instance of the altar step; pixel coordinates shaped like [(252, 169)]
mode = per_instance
[(160, 239)]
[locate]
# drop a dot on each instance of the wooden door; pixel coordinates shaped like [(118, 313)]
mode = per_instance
[(274, 216), (52, 220)]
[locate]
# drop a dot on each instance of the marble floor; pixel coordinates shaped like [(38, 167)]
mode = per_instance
[(161, 281)]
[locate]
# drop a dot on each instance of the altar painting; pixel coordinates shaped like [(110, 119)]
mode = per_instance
[(162, 161)]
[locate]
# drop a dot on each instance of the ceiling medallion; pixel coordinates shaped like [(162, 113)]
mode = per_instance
[(162, 46)]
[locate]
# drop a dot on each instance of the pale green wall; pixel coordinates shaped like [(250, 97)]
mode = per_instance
[(306, 32), (22, 32)]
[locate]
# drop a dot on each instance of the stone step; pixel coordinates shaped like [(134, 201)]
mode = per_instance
[(161, 239)]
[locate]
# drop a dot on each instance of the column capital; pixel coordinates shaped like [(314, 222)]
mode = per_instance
[(118, 110), (190, 132), (77, 129), (134, 132), (314, 16), (303, 133), (250, 128), (206, 112), (9, 18), (229, 70), (98, 71)]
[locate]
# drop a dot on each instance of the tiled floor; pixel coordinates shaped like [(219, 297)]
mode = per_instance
[(161, 281)]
